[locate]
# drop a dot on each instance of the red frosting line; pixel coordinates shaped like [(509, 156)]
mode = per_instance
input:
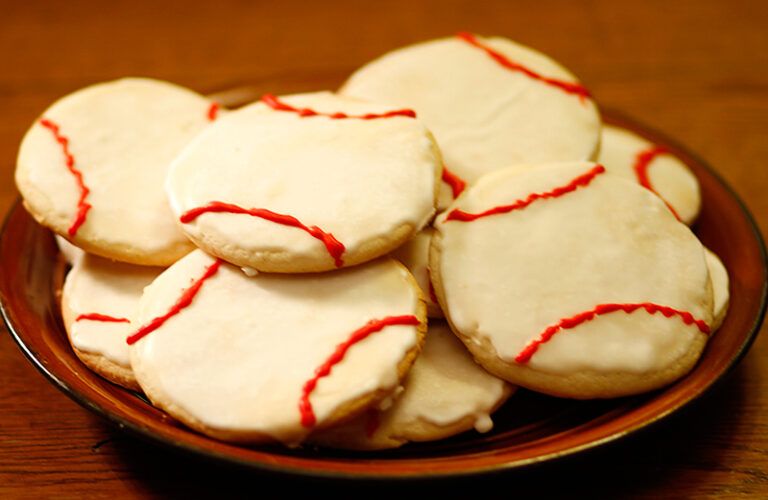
[(456, 183), (375, 325), (186, 298), (642, 163), (567, 323), (101, 317), (568, 87), (335, 247), (581, 181), (275, 103), (82, 205), (213, 111)]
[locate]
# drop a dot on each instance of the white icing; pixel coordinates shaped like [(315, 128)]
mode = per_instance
[(508, 277), (668, 175), (96, 285), (483, 423), (249, 271), (71, 253), (720, 284), (238, 356), (357, 179), (123, 135), (415, 256), (484, 116)]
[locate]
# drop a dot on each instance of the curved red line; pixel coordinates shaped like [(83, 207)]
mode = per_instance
[(275, 103), (82, 205), (308, 418), (643, 161), (568, 87), (335, 247), (581, 181), (186, 298), (213, 111), (572, 322), (456, 183), (101, 317)]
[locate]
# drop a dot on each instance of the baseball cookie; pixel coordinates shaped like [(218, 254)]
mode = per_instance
[(572, 282), (490, 102), (445, 393), (274, 356), (98, 302), (92, 167), (306, 183), (627, 154), (720, 287), (415, 256)]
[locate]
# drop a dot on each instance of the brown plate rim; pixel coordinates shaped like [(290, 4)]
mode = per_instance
[(611, 117)]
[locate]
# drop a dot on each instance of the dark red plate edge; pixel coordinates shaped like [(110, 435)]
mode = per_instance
[(610, 117)]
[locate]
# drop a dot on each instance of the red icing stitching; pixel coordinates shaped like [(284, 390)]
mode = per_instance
[(82, 205), (568, 87), (642, 163), (581, 181), (101, 317), (456, 183), (375, 325), (275, 103), (567, 323), (213, 111), (183, 301), (335, 247)]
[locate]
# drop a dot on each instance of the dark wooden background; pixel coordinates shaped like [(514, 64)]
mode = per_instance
[(697, 70)]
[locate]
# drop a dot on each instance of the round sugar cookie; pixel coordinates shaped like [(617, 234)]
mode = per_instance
[(306, 183), (571, 281), (273, 357), (625, 153), (99, 300), (415, 256), (490, 102), (720, 287), (445, 393), (92, 167)]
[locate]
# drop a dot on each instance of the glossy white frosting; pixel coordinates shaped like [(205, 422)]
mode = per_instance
[(236, 359), (508, 277)]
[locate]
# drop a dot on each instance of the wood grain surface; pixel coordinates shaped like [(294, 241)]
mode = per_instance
[(696, 70)]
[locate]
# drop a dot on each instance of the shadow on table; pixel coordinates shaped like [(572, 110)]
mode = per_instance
[(660, 457)]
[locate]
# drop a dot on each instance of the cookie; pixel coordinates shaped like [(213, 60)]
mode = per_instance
[(720, 287), (490, 102), (415, 256), (273, 357), (98, 302), (306, 183), (92, 167), (445, 393), (571, 281), (625, 153)]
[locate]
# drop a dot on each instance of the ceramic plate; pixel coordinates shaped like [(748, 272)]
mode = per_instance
[(531, 428)]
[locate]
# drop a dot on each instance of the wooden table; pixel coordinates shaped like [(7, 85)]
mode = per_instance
[(695, 70)]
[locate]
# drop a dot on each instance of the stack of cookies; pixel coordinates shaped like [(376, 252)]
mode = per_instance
[(374, 266)]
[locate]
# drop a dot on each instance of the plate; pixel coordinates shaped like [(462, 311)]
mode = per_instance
[(531, 428)]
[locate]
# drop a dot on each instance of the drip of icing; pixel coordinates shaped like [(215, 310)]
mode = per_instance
[(278, 105), (642, 162), (375, 325), (82, 205), (183, 301), (335, 247), (456, 183), (568, 87), (213, 111), (581, 181), (101, 317), (567, 323), (483, 423)]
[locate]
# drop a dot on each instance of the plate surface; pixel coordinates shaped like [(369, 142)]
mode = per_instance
[(530, 428)]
